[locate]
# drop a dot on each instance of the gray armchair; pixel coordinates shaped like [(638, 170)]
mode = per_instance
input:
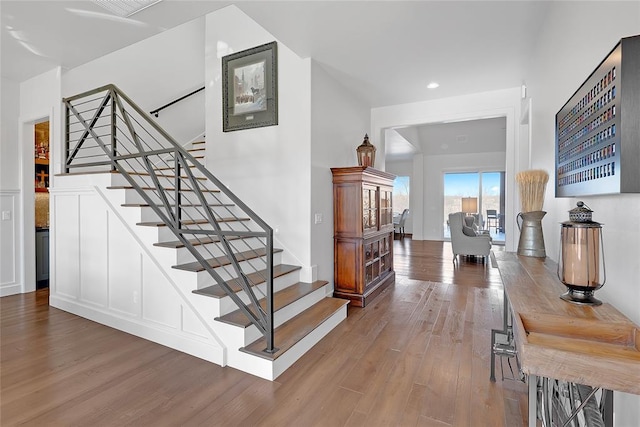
[(398, 223), (464, 240)]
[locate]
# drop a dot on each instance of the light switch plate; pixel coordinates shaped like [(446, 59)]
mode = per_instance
[(6, 215), (318, 218)]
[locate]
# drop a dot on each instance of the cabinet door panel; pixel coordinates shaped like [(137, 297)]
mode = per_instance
[(347, 218), (369, 209), (386, 207), (347, 268)]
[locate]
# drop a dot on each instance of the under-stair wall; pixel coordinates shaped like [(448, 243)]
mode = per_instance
[(104, 270)]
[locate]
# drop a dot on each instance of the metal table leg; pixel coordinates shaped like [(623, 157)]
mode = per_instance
[(533, 399), (494, 332)]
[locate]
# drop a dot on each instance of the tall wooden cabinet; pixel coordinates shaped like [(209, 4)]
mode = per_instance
[(363, 233)]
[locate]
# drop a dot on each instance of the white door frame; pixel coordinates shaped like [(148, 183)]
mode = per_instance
[(26, 136)]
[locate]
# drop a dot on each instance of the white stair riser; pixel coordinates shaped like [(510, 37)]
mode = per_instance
[(183, 255), (133, 197), (211, 250), (188, 213), (165, 178), (164, 233), (279, 283), (269, 370), (227, 272), (292, 355)]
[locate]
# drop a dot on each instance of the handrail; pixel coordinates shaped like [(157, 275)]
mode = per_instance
[(104, 127), (156, 112)]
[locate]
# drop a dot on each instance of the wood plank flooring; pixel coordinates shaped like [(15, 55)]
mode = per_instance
[(416, 355)]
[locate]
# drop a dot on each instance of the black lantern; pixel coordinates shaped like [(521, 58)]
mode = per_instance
[(581, 260), (366, 153)]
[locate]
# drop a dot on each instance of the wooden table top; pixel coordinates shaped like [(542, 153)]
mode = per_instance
[(593, 345)]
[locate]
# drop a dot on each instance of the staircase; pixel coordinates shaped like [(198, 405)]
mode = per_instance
[(202, 236)]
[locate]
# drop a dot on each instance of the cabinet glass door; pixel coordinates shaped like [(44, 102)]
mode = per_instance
[(369, 209), (386, 207)]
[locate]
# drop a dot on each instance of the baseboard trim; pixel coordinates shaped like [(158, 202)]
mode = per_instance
[(152, 332), (7, 289)]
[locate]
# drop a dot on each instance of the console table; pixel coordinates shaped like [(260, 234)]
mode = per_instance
[(595, 346)]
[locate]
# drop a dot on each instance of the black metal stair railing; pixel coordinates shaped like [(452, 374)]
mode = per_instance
[(156, 112), (106, 131)]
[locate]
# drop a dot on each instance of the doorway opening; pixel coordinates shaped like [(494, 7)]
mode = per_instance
[(41, 184), (486, 190)]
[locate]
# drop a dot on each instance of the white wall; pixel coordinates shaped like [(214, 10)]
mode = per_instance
[(39, 99), (154, 72), (9, 189), (9, 113), (339, 122), (560, 69), (504, 102), (268, 167)]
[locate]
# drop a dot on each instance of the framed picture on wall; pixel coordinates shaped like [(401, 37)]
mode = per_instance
[(250, 88)]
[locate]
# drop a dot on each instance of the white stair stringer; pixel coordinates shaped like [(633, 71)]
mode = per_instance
[(228, 339)]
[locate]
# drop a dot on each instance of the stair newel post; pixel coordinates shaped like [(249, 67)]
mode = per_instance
[(114, 150), (178, 187), (270, 327), (66, 136)]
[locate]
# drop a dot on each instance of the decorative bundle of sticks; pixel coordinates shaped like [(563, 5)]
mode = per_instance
[(532, 185)]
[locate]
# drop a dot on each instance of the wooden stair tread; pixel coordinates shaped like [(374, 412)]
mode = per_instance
[(255, 278), (168, 168), (294, 330), (177, 244), (146, 205), (82, 173), (130, 187), (189, 222), (281, 299), (224, 260), (201, 178)]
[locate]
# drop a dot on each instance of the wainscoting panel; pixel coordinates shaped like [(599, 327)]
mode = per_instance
[(105, 270), (9, 242), (93, 256), (66, 245), (125, 270), (158, 302)]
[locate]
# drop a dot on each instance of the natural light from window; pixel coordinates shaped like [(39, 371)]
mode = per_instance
[(487, 187), (400, 194)]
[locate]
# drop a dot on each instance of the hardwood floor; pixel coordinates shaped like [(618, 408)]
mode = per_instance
[(417, 355)]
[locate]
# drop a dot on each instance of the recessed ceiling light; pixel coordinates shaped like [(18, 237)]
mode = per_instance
[(432, 85), (125, 8)]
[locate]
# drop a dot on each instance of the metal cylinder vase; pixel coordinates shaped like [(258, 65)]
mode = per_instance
[(531, 238)]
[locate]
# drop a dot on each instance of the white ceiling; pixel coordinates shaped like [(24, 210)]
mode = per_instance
[(436, 139), (386, 52)]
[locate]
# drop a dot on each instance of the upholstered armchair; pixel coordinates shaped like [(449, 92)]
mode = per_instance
[(398, 223), (465, 240)]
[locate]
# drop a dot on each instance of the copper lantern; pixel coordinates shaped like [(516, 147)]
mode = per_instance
[(366, 153), (581, 260)]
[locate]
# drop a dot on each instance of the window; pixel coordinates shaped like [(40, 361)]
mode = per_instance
[(487, 188), (400, 194)]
